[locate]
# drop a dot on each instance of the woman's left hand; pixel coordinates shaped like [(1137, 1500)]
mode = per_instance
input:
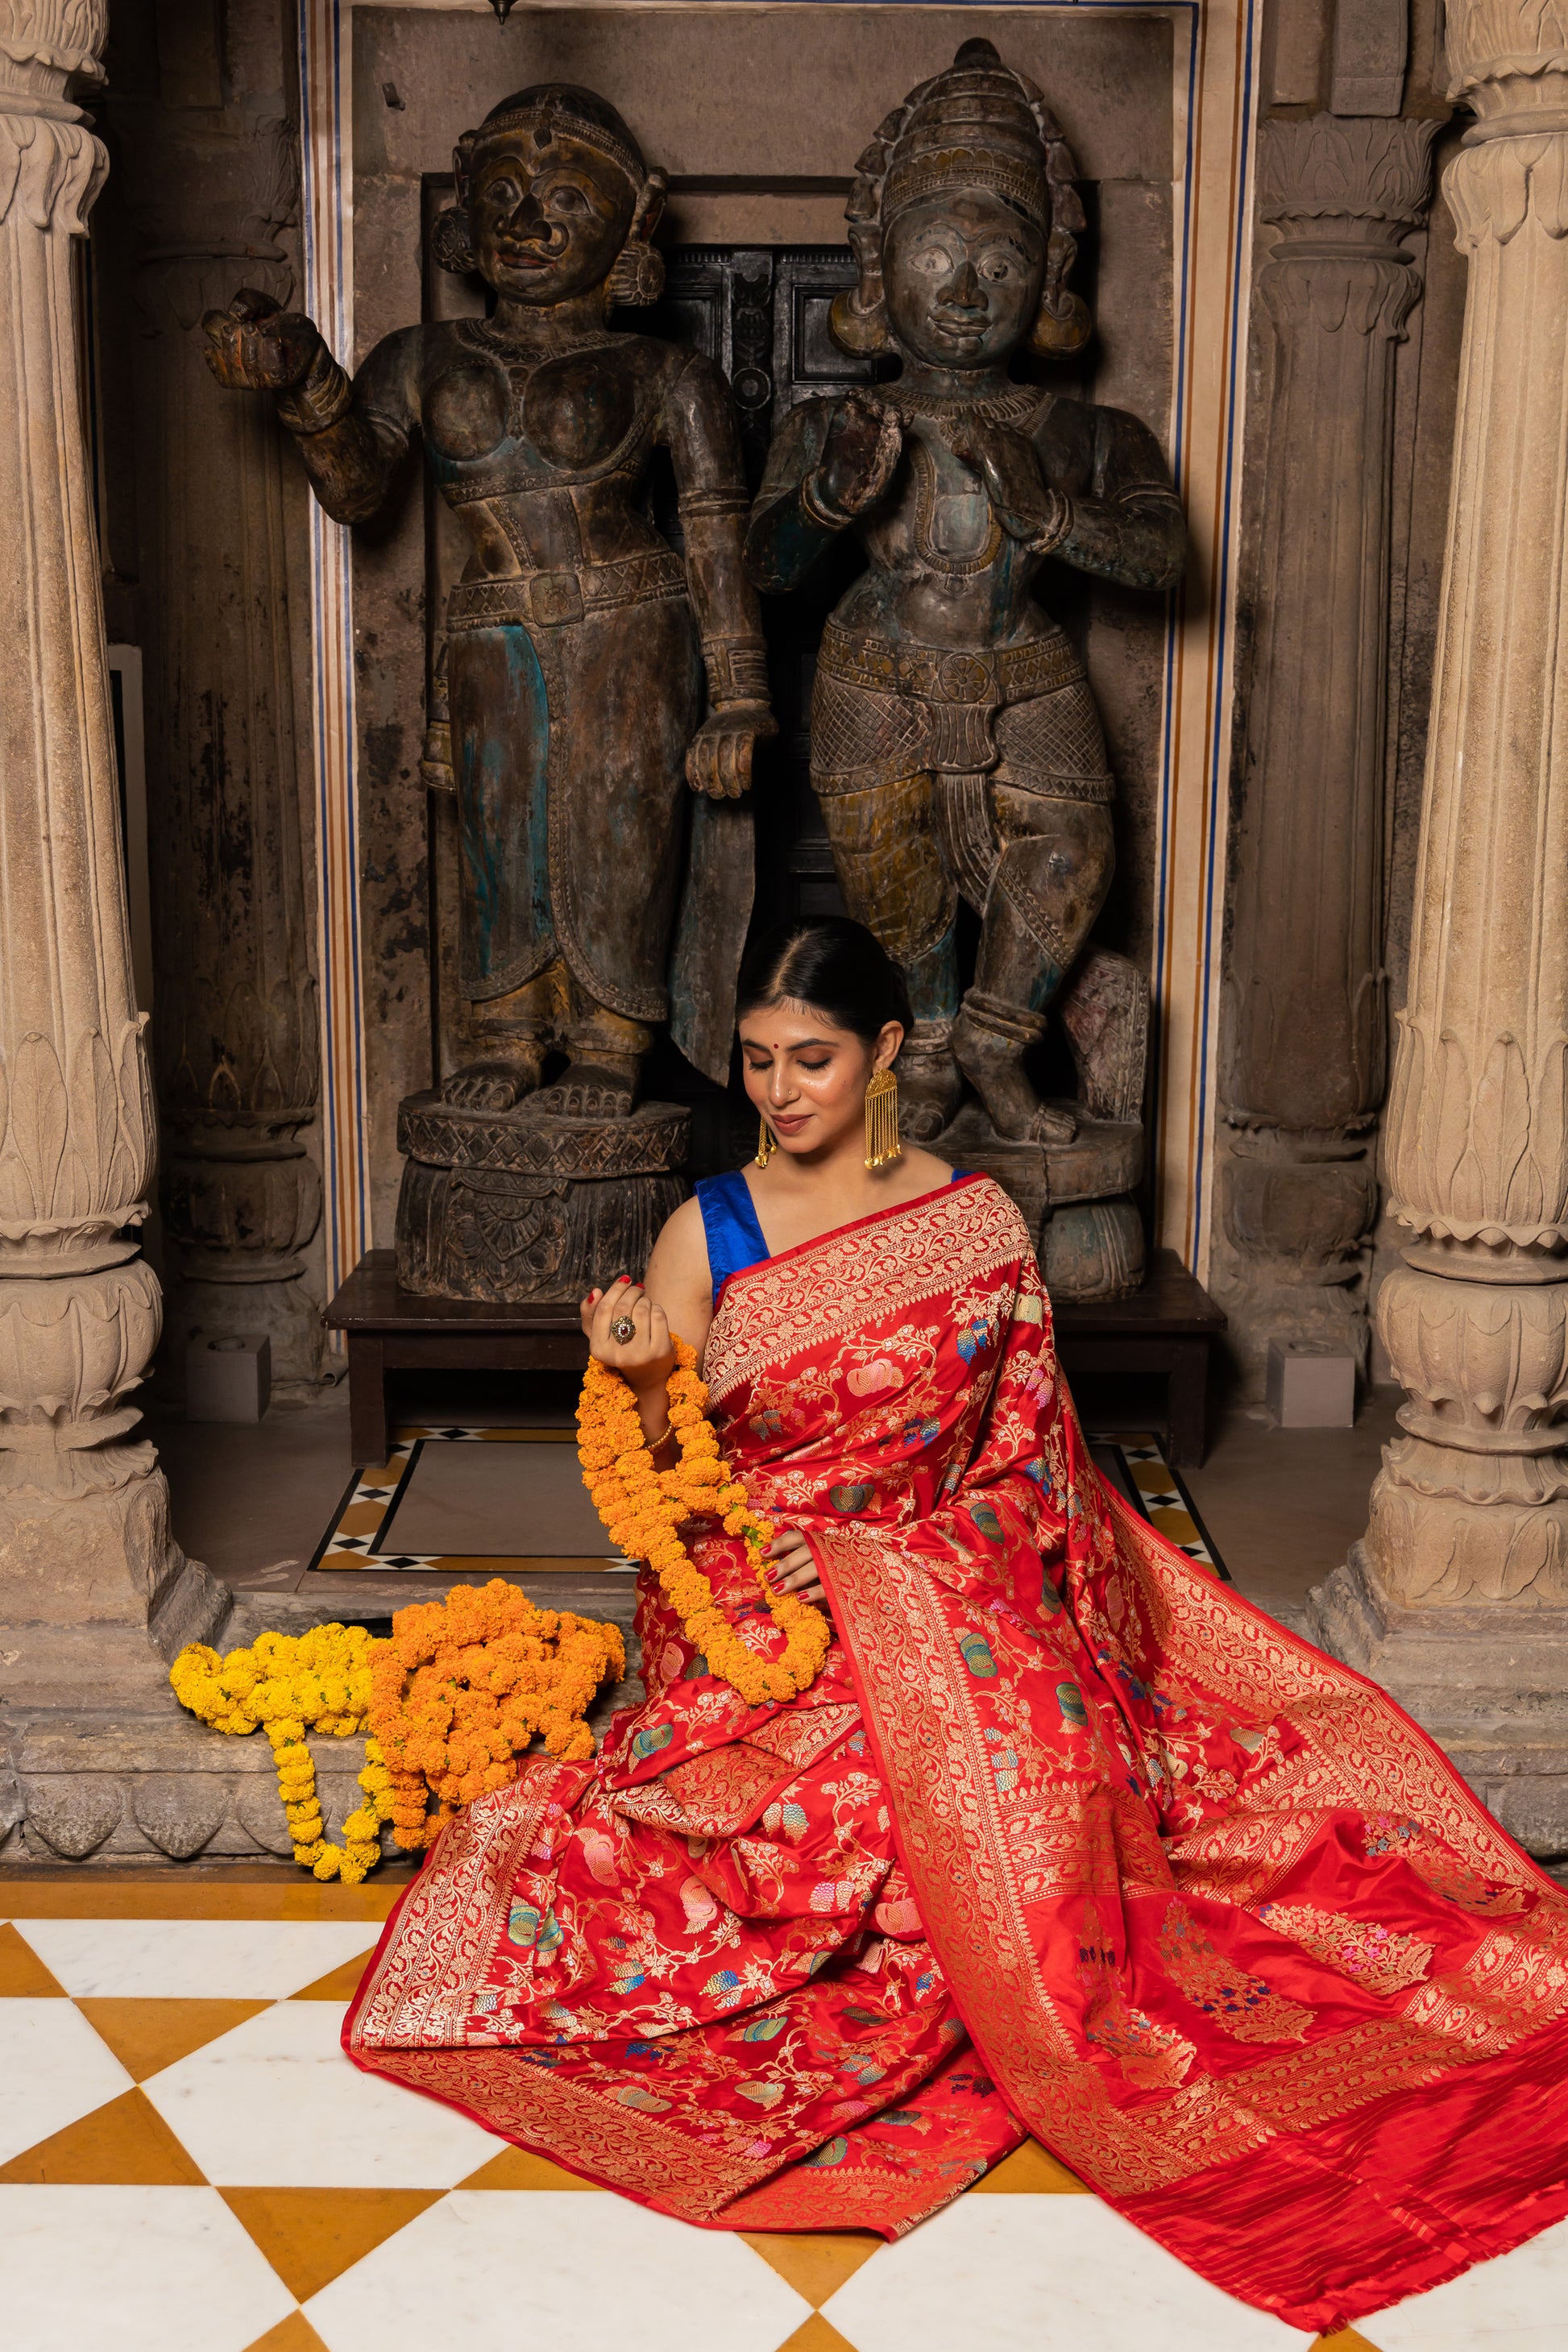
[(794, 1568)]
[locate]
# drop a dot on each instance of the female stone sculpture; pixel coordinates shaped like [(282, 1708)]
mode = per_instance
[(956, 743), (577, 638)]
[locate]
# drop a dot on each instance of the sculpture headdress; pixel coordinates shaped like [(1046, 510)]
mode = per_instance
[(550, 111), (978, 125)]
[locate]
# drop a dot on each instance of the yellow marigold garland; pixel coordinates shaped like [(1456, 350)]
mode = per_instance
[(644, 1507), (462, 1686), (450, 1702), (290, 1683)]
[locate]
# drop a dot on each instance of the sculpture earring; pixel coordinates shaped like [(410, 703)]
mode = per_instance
[(767, 1144), (882, 1140)]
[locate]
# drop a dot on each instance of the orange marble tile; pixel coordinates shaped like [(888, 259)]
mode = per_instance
[(1030, 2171), (816, 2334), (515, 2167), (285, 1893), (311, 2235), (338, 1984), (23, 1975), (125, 2143), (148, 2035), (816, 2263), (294, 2334), (1176, 1527)]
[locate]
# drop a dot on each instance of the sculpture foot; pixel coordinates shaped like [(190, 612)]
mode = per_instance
[(589, 1090), (1053, 1124), (491, 1085), (931, 1087), (926, 1104), (992, 1064)]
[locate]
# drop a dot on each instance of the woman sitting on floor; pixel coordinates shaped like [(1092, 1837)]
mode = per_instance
[(1065, 1838)]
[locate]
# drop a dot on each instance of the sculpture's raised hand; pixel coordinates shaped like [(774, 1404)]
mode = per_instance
[(719, 757), (858, 460), (257, 346), (1009, 465)]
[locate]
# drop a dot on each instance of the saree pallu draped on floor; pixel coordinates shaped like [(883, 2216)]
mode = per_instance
[(1067, 1839)]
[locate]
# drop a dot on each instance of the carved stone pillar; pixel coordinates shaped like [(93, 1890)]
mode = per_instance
[(211, 169), (87, 1562), (1303, 1004), (1459, 1596)]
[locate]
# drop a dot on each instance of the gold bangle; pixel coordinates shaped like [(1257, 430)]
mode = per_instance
[(653, 1444)]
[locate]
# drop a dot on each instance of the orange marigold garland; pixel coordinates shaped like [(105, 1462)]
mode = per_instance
[(462, 1687), (644, 1507)]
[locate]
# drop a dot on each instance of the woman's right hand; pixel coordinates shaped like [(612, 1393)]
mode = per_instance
[(647, 1360), (257, 346)]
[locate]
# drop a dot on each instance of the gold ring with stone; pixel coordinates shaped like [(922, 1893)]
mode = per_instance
[(623, 1328)]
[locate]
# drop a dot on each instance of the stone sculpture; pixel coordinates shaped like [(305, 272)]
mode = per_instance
[(957, 748), (573, 691)]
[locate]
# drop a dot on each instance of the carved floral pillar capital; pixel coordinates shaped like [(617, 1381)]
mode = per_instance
[(1338, 168), (51, 166), (1499, 50), (44, 42)]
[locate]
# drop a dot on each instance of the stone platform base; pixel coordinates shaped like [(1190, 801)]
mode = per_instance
[(1076, 1197), (1489, 1684), (513, 1206)]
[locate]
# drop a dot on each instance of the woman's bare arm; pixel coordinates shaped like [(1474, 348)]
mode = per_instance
[(679, 1278)]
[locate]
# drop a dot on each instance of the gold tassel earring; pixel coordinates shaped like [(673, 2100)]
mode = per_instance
[(767, 1144), (882, 1142)]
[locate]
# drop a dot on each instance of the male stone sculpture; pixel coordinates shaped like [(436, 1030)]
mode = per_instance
[(577, 638), (956, 747)]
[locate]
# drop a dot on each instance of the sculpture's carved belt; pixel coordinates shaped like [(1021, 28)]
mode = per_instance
[(990, 678), (551, 600), (881, 711)]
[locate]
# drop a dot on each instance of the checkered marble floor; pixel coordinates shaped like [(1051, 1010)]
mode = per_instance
[(189, 2164)]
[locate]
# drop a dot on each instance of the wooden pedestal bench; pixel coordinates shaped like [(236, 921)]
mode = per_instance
[(1168, 1327)]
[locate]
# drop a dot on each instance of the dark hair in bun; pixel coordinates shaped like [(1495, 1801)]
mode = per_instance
[(837, 967)]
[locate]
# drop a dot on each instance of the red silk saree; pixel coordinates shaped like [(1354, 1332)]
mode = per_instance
[(1067, 1839)]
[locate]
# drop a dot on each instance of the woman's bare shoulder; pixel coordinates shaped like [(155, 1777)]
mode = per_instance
[(923, 1172), (678, 1271), (682, 1242), (677, 1277)]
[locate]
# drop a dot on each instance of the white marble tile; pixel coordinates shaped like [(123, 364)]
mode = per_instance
[(1518, 2303), (194, 1960), (53, 2068), (275, 2104), (1041, 2275), (132, 2270), (587, 2274)]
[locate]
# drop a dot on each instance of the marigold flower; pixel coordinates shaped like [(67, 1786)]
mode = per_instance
[(643, 1509), (468, 1657)]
